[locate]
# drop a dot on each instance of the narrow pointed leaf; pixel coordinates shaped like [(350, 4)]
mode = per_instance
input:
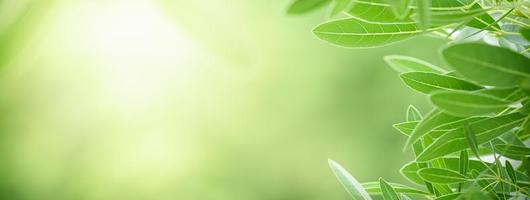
[(403, 64), (413, 114), (484, 21), (351, 185), (467, 104), (471, 139), (485, 131), (452, 196), (441, 176), (510, 171), (374, 188), (464, 162), (304, 6), (388, 192), (433, 120), (488, 65), (355, 33), (406, 128), (513, 150), (426, 82)]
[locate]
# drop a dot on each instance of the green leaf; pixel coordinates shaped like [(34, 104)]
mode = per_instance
[(526, 165), (424, 13), (467, 104), (388, 192), (508, 94), (513, 150), (452, 196), (374, 188), (488, 65), (433, 120), (304, 6), (403, 64), (341, 5), (445, 17), (405, 197), (355, 33), (525, 32), (413, 114), (510, 171), (473, 195), (463, 165), (427, 82), (377, 11), (482, 21), (351, 185), (441, 176), (485, 130), (405, 128), (410, 172), (401, 8), (471, 139)]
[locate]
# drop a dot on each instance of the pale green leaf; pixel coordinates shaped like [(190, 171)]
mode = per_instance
[(426, 82), (351, 185), (467, 104), (374, 188), (488, 65), (387, 191), (424, 13), (433, 120), (405, 128), (304, 6), (485, 130), (413, 114), (441, 176), (403, 64), (377, 11), (401, 8), (355, 33), (341, 5)]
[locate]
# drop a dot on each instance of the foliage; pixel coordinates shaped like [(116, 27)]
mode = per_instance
[(480, 100)]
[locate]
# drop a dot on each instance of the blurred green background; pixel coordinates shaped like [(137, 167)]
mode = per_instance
[(165, 99)]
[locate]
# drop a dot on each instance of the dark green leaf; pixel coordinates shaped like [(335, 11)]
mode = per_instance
[(488, 65), (426, 82), (484, 21), (525, 32), (350, 184), (467, 104), (441, 176)]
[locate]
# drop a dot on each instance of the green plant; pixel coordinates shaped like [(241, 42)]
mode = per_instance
[(480, 101)]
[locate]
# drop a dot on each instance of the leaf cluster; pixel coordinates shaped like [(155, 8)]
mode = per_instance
[(473, 143)]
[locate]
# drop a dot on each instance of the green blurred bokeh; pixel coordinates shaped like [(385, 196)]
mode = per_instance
[(221, 100)]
